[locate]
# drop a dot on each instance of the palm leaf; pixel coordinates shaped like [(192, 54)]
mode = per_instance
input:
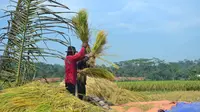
[(31, 23)]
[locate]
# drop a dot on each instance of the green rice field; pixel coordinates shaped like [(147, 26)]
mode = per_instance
[(160, 85)]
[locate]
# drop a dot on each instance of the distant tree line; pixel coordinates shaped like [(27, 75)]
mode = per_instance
[(151, 69), (49, 70), (156, 69)]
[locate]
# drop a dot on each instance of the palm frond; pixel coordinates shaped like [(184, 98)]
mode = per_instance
[(30, 24)]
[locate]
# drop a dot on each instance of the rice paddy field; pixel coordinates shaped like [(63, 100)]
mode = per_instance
[(160, 85)]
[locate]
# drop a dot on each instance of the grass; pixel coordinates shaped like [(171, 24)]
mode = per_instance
[(1, 86), (160, 85), (39, 97)]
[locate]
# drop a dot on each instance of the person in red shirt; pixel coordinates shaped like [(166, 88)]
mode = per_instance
[(71, 66)]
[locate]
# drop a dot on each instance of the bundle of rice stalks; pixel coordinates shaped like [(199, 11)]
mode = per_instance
[(110, 92), (80, 23), (97, 73), (98, 49), (100, 43), (40, 97)]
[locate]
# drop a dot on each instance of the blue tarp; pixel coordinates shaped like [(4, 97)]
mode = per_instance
[(185, 107)]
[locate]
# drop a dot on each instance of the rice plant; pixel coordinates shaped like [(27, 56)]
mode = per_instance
[(160, 85)]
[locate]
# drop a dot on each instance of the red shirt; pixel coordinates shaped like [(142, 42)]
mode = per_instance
[(71, 66)]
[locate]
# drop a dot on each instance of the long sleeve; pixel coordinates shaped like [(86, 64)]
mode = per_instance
[(79, 55)]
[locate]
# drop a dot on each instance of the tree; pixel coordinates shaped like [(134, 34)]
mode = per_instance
[(156, 69), (32, 22)]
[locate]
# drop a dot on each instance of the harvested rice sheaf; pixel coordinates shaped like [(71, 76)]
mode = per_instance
[(111, 92), (99, 43), (40, 97), (97, 73), (80, 22)]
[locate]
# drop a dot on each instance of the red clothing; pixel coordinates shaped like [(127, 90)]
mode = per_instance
[(71, 66)]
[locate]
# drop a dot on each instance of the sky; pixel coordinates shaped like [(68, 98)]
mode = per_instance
[(165, 29)]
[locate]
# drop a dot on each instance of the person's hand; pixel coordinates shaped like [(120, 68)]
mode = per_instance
[(78, 71), (85, 44)]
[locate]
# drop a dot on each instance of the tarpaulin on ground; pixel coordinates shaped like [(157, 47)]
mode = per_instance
[(186, 107)]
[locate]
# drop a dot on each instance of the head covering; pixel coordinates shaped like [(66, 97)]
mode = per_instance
[(71, 49)]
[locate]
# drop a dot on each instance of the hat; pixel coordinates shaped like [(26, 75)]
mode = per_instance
[(71, 49)]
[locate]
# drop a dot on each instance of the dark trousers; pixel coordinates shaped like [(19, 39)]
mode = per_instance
[(70, 87), (81, 89)]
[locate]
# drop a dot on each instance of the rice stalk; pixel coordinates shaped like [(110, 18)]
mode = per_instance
[(80, 23), (98, 47), (99, 43), (40, 97), (97, 73), (111, 92)]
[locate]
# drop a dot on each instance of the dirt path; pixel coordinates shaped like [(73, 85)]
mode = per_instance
[(152, 106)]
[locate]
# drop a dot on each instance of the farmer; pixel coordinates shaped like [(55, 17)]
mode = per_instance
[(82, 78), (71, 66)]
